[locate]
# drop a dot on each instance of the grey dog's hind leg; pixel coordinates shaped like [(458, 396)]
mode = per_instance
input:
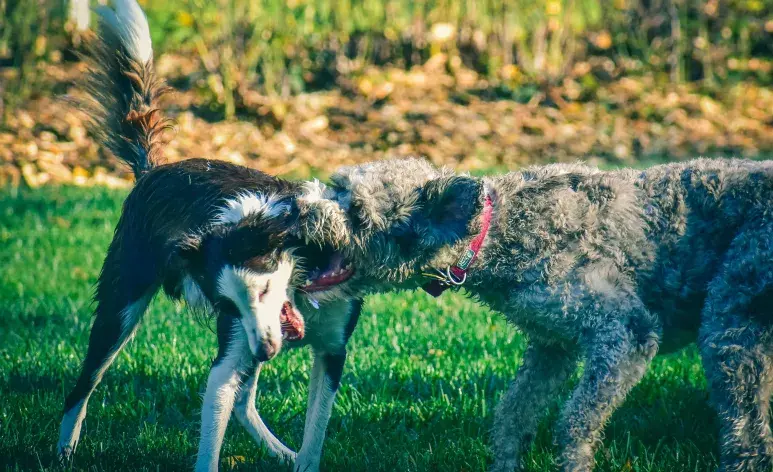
[(736, 344), (543, 373), (617, 358), (740, 377)]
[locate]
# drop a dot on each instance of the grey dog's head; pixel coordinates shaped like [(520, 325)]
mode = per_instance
[(388, 218)]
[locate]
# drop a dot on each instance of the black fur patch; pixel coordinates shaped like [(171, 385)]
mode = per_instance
[(226, 327), (106, 336), (354, 317), (334, 368), (761, 306)]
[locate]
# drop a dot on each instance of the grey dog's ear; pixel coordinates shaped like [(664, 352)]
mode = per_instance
[(320, 217), (447, 204)]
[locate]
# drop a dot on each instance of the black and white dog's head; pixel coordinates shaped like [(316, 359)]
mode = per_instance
[(388, 218), (242, 266)]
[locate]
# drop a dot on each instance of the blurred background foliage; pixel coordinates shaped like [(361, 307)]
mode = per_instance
[(284, 47), (302, 86)]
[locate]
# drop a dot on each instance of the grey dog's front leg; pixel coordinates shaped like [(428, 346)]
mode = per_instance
[(618, 357), (543, 372)]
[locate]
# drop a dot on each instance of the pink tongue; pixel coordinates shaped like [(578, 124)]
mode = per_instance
[(293, 328)]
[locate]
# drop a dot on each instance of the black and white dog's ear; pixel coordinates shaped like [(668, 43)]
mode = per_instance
[(446, 207)]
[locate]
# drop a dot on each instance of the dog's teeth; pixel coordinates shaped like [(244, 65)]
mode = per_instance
[(308, 282)]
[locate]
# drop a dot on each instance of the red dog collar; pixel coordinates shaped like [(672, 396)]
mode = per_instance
[(456, 275)]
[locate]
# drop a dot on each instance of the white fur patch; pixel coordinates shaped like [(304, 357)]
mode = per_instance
[(129, 24), (489, 190), (313, 191), (193, 295), (260, 315), (246, 204), (132, 313), (249, 417), (321, 400), (222, 385), (70, 431)]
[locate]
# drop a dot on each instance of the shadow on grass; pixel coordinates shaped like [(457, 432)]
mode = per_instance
[(675, 419), (141, 421)]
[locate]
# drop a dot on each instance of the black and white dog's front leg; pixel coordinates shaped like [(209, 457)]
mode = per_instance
[(233, 357), (323, 386)]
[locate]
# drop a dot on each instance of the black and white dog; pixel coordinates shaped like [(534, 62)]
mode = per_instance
[(215, 234)]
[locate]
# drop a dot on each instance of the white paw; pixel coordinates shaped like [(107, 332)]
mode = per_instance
[(287, 457), (64, 452), (306, 464)]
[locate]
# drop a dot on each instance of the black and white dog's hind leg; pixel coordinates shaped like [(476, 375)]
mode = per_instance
[(116, 320), (123, 117)]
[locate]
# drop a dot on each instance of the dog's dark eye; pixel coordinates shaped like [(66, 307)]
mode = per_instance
[(264, 291)]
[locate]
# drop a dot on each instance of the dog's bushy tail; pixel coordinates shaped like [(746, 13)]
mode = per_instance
[(124, 89)]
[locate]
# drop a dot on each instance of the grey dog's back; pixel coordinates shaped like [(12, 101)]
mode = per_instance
[(662, 232), (699, 210)]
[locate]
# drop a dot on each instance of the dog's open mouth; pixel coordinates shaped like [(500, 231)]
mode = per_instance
[(337, 272), (293, 327)]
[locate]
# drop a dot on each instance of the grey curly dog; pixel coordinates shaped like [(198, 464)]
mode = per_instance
[(606, 267)]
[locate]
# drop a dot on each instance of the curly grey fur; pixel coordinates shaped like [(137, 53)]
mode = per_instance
[(606, 267)]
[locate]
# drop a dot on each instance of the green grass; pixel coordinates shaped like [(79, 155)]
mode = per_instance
[(418, 394)]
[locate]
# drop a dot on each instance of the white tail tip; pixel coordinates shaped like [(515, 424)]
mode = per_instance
[(127, 21)]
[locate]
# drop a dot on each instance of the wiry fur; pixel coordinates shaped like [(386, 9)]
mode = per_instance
[(606, 267)]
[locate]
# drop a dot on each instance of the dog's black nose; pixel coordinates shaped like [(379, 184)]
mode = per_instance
[(267, 350)]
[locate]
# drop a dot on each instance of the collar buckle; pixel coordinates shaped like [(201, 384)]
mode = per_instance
[(451, 279), (456, 275)]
